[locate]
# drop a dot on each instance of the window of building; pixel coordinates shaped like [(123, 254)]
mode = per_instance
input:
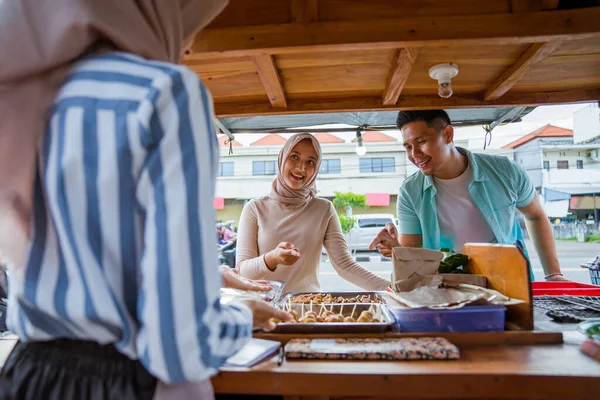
[(562, 164), (579, 164), (547, 165), (264, 167), (226, 169), (385, 164), (332, 166)]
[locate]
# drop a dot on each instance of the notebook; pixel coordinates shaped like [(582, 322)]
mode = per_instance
[(252, 353), (372, 349)]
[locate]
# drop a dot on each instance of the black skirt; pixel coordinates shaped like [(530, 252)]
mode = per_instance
[(69, 369)]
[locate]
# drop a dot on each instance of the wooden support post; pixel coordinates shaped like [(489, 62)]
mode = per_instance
[(398, 76), (269, 76), (536, 53), (395, 33)]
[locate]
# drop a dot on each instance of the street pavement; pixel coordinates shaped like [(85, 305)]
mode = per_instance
[(570, 254)]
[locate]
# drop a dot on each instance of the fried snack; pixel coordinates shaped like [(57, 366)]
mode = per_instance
[(365, 316), (327, 298)]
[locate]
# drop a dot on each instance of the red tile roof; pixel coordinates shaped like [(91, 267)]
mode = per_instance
[(269, 140), (545, 131), (328, 138), (375, 136), (224, 138)]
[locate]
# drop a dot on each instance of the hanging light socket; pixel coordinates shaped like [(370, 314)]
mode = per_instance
[(361, 150), (443, 73)]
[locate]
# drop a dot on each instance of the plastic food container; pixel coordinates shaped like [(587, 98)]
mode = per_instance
[(466, 319)]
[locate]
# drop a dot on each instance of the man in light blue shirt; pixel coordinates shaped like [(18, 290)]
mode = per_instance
[(458, 196)]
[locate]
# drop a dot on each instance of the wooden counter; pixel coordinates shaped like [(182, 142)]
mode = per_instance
[(558, 371), (484, 371)]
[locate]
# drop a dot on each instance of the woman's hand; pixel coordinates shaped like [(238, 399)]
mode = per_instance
[(232, 279), (263, 312), (285, 254)]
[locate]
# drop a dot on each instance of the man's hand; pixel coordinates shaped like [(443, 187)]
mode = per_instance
[(263, 312), (556, 278), (285, 254), (386, 240), (232, 279)]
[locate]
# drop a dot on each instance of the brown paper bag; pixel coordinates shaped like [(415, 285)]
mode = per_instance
[(411, 262)]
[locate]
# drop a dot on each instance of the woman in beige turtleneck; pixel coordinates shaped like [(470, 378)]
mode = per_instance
[(281, 235)]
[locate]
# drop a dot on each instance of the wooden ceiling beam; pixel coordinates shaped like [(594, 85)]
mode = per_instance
[(432, 31), (224, 110), (305, 11), (536, 53), (403, 63), (269, 76)]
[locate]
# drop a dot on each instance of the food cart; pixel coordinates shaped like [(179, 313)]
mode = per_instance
[(265, 58), (262, 59)]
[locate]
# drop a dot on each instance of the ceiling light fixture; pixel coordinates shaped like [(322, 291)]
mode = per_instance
[(361, 150), (443, 73)]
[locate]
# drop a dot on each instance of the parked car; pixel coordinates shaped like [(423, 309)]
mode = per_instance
[(366, 228)]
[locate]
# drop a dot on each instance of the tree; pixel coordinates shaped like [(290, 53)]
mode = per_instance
[(344, 203)]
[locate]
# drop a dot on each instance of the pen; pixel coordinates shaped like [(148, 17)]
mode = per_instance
[(280, 357)]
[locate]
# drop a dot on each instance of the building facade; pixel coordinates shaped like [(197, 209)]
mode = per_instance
[(565, 173), (248, 173)]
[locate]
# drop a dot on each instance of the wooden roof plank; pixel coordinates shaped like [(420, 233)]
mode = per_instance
[(305, 11), (536, 53), (549, 4), (399, 75), (302, 106), (269, 76), (517, 6), (543, 26)]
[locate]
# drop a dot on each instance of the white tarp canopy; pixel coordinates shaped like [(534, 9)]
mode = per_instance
[(557, 209)]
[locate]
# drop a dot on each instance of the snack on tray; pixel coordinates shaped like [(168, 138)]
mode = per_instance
[(328, 298), (325, 315)]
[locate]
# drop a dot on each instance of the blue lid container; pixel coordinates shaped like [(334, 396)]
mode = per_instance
[(489, 318)]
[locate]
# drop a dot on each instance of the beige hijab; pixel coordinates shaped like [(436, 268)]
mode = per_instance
[(38, 41), (280, 190)]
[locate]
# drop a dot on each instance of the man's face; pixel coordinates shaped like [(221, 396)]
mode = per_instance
[(427, 147)]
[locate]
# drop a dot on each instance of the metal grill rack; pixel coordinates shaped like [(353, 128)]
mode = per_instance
[(569, 308)]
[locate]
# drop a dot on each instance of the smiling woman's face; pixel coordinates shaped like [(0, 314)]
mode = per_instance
[(300, 165)]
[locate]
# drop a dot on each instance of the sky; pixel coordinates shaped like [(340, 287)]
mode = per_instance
[(558, 115)]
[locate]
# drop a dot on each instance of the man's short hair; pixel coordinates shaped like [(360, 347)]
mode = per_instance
[(437, 119)]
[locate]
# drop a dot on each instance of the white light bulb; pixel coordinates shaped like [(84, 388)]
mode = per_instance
[(361, 150), (445, 90), (443, 74)]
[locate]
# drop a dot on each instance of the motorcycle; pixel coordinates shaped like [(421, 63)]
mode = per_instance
[(226, 254)]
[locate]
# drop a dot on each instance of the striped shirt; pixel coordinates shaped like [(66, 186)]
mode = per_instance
[(123, 248)]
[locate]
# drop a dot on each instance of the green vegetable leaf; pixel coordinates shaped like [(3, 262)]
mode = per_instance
[(453, 262)]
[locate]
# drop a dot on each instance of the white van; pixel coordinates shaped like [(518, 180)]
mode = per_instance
[(366, 228)]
